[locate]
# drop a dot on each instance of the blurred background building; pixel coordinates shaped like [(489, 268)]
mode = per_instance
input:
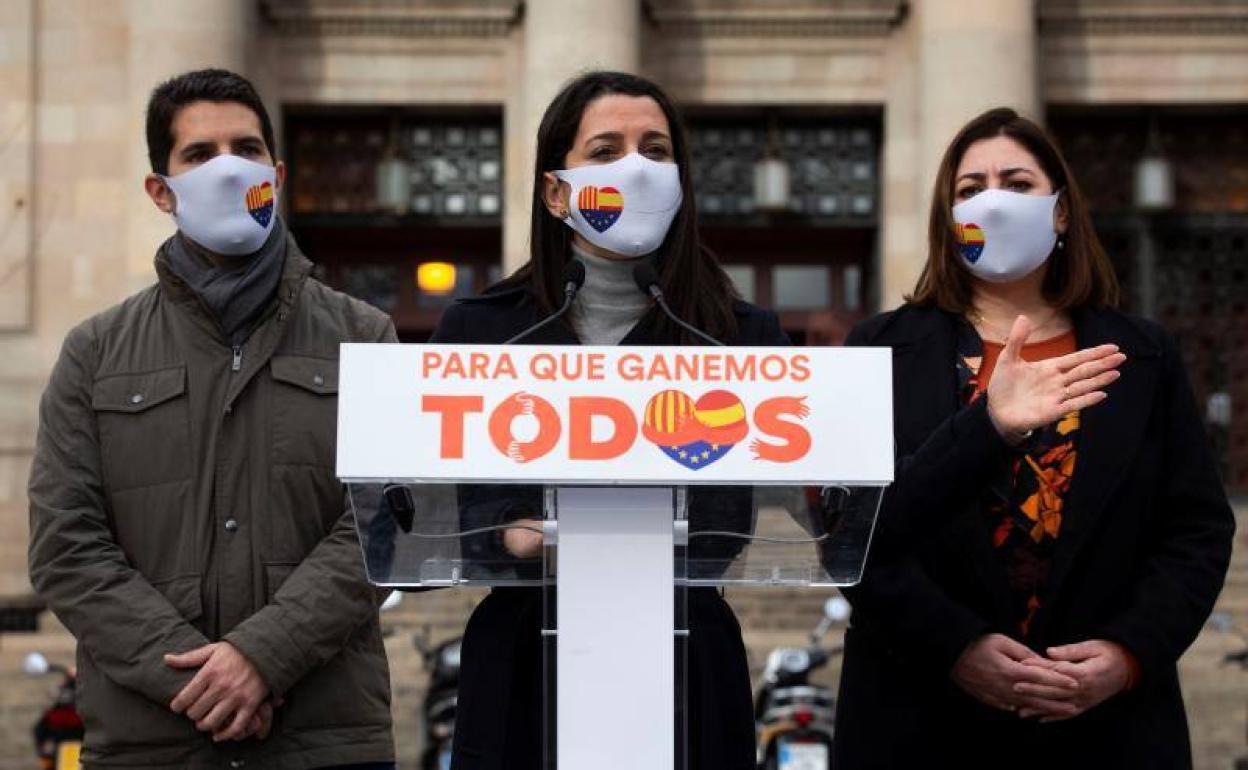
[(817, 126)]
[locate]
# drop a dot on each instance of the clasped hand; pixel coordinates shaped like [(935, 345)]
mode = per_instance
[(227, 696), (1066, 682)]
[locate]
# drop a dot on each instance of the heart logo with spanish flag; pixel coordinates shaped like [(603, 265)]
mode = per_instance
[(970, 241), (600, 206), (695, 433), (260, 203)]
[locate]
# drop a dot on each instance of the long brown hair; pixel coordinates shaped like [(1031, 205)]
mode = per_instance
[(1079, 274), (696, 286)]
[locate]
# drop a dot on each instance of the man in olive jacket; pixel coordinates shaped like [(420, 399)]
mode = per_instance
[(186, 523)]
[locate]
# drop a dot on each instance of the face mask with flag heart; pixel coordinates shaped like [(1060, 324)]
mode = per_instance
[(625, 206), (1002, 235), (226, 205)]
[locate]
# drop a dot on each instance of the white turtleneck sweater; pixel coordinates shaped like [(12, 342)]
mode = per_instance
[(609, 304)]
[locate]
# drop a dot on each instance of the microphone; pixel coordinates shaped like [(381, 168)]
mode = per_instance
[(573, 279), (648, 281)]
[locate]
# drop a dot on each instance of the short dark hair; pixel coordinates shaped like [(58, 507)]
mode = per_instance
[(207, 85), (1079, 275)]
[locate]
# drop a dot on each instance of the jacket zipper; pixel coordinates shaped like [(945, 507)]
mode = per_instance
[(238, 359)]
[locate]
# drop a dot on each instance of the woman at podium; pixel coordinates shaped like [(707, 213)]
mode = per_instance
[(1057, 534), (611, 193)]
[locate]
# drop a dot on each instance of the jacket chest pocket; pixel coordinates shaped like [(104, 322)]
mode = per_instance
[(305, 410), (144, 425)]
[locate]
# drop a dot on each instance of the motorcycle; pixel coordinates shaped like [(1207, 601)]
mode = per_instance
[(58, 733), (440, 700), (795, 718)]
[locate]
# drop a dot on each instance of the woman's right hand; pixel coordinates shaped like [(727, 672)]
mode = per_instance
[(992, 665), (1025, 395), (524, 539)]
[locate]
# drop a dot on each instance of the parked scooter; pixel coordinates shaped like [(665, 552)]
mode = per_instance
[(58, 733), (441, 700), (795, 718)]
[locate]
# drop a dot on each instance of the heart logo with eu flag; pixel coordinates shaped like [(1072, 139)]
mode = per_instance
[(970, 241), (695, 433), (260, 203), (600, 206)]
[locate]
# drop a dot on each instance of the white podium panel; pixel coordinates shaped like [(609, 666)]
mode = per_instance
[(614, 645)]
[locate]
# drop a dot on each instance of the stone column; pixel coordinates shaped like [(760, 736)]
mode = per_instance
[(168, 37), (560, 39), (953, 59)]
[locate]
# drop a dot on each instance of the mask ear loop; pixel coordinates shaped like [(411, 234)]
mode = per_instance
[(564, 213)]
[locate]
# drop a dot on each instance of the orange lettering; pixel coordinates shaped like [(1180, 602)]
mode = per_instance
[(548, 427), (771, 373), (581, 412), (801, 367), (476, 365), (769, 418), (430, 361), (453, 409), (741, 369)]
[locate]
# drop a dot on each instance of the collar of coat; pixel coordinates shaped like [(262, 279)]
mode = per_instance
[(295, 271), (523, 301)]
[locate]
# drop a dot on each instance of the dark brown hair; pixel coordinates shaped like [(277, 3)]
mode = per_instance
[(210, 85), (696, 286), (1079, 274)]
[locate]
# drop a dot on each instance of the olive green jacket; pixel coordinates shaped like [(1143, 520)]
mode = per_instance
[(184, 492)]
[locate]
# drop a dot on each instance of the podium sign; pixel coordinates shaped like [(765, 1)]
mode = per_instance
[(626, 415), (642, 473)]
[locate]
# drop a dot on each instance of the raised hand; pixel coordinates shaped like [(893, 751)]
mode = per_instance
[(1025, 395)]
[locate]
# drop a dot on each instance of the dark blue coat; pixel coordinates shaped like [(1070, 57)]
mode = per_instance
[(1145, 544), (499, 722)]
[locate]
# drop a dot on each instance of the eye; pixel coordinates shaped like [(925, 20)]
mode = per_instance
[(657, 151), (602, 152), (970, 191), (1019, 185)]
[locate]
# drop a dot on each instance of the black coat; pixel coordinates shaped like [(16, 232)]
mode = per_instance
[(499, 723), (1144, 547)]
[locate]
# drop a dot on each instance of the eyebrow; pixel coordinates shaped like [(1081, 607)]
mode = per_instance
[(238, 141), (196, 147), (979, 175), (612, 136)]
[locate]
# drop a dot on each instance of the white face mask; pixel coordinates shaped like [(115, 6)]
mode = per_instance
[(226, 205), (625, 206), (1004, 236)]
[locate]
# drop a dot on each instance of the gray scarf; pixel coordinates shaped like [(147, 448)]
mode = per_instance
[(238, 290)]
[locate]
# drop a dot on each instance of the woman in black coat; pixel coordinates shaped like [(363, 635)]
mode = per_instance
[(625, 130), (1056, 535)]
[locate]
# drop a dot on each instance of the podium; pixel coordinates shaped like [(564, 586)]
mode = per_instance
[(633, 493)]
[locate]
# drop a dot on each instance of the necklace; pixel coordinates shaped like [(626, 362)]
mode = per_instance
[(977, 319)]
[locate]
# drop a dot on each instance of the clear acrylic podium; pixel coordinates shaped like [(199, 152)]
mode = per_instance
[(623, 559), (645, 472)]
